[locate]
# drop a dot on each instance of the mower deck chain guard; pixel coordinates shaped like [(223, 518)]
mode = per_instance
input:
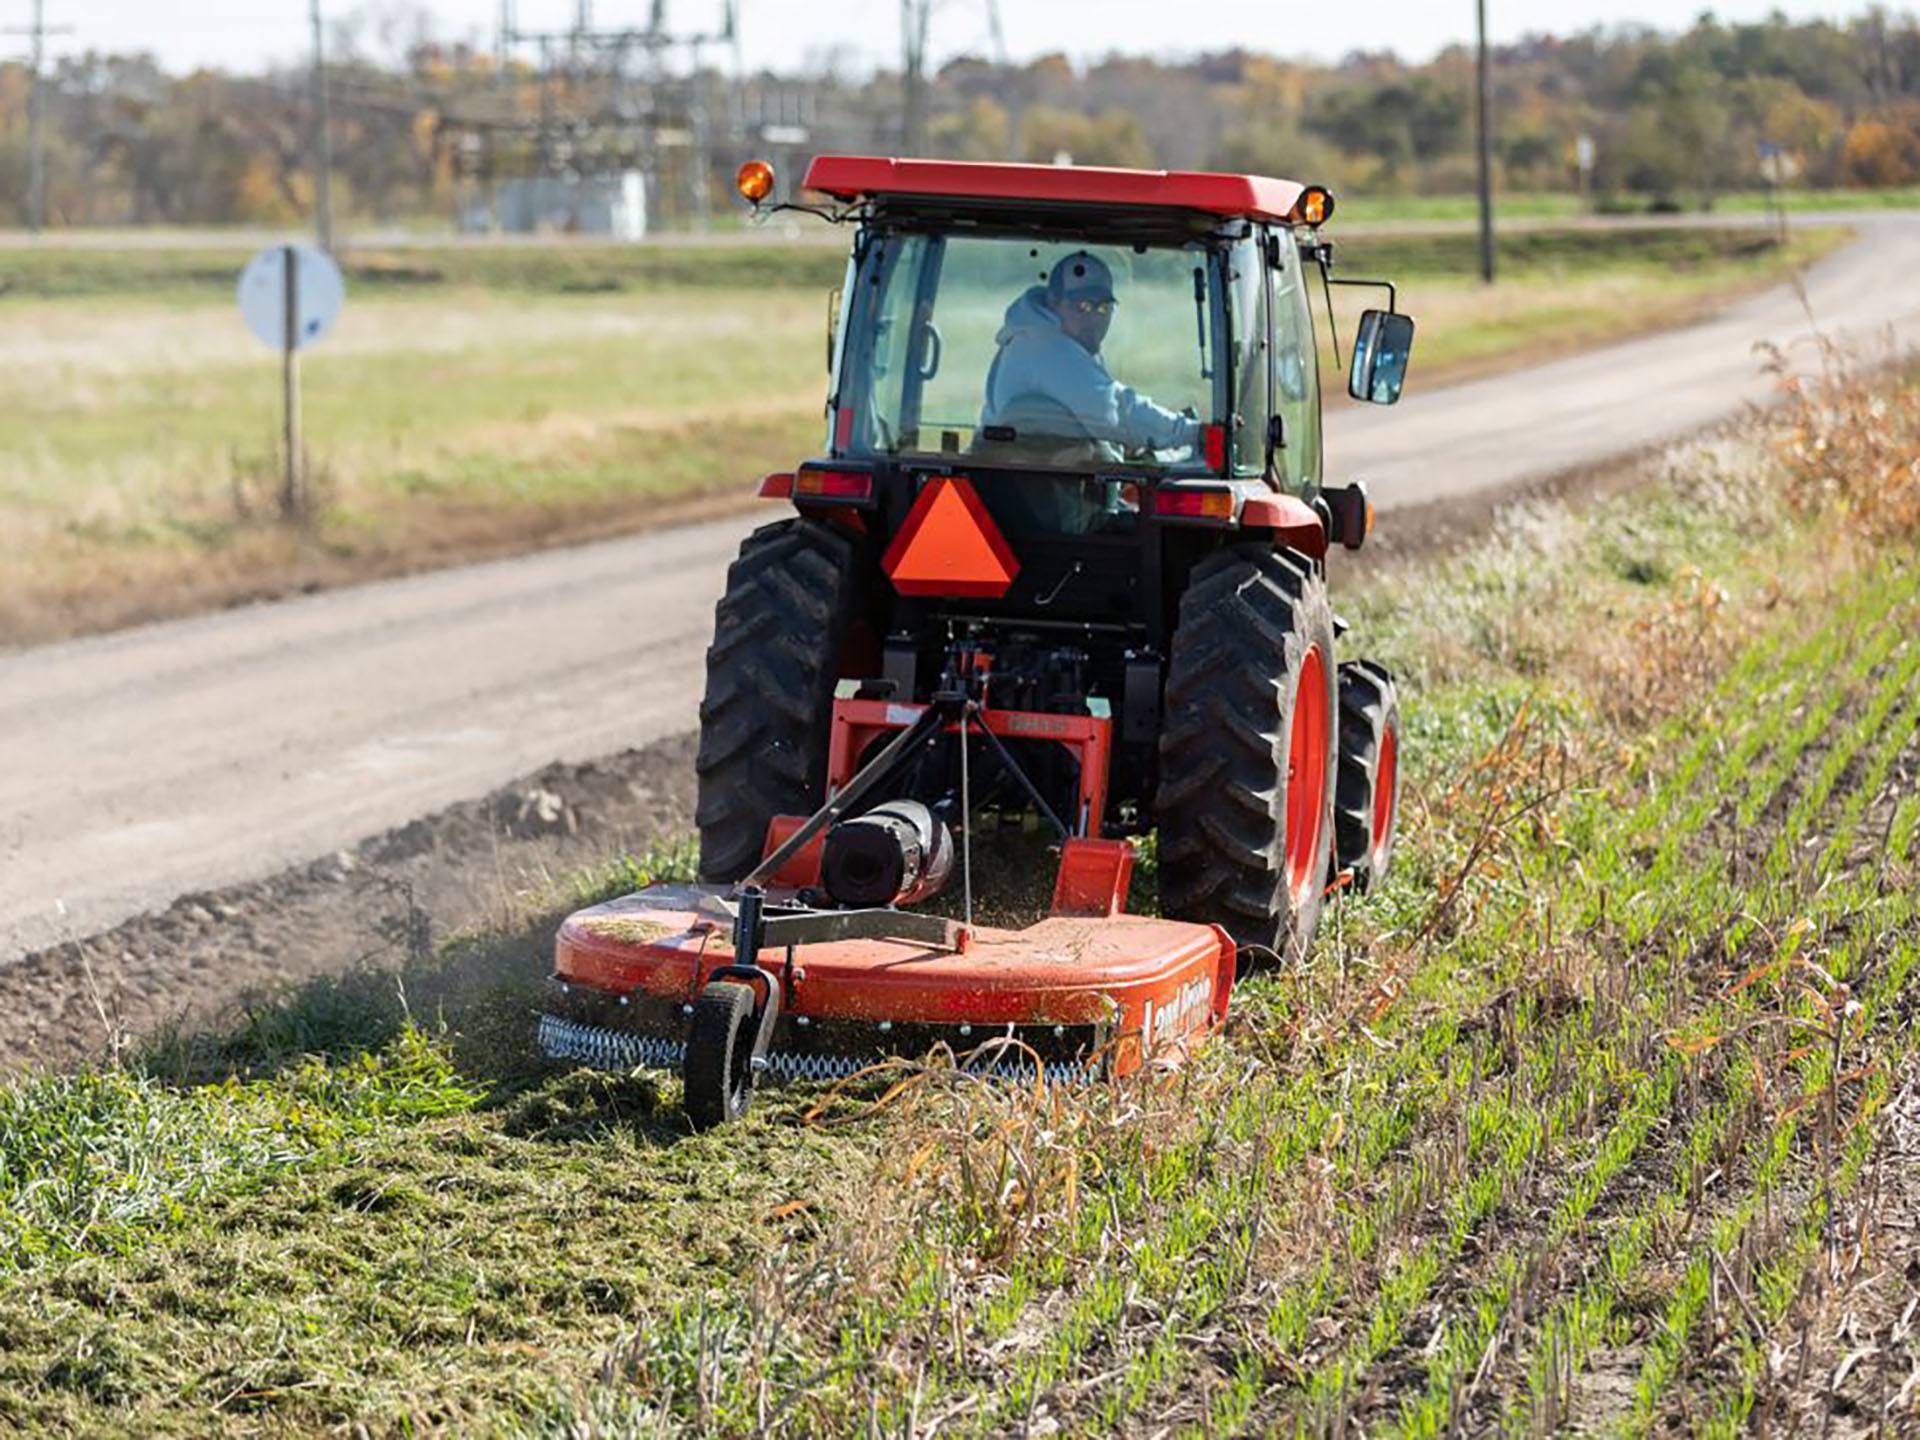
[(596, 1031)]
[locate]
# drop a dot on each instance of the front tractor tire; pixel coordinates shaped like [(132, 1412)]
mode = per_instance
[(1366, 805), (1247, 754), (779, 632)]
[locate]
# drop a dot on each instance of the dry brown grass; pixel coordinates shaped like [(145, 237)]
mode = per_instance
[(1667, 655), (1851, 446)]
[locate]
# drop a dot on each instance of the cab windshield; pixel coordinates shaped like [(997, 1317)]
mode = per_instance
[(1051, 353)]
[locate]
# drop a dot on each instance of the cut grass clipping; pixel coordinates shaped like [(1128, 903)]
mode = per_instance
[(1578, 1122)]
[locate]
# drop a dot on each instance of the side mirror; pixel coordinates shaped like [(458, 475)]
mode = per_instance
[(1380, 354)]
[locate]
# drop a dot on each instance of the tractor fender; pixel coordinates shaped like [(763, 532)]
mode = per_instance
[(1294, 524)]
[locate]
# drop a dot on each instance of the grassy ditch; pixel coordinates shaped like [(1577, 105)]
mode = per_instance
[(1556, 1129), (481, 400)]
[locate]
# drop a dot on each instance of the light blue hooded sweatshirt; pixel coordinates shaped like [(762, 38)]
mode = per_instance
[(1038, 359)]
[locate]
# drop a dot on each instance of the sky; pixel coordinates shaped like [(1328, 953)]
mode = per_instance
[(779, 34)]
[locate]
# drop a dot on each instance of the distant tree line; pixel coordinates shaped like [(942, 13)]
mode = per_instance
[(1629, 116)]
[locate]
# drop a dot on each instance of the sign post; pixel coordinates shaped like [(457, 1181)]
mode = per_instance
[(293, 488), (1776, 166), (1482, 125), (290, 295)]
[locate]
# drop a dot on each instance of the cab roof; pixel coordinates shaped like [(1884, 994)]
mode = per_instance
[(857, 177)]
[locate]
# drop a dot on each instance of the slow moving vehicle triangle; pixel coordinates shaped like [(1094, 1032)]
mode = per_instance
[(949, 545)]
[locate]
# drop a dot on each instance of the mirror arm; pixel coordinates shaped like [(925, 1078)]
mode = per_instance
[(1327, 282), (1393, 295)]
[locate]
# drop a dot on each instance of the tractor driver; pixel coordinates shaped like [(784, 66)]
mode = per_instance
[(1047, 372)]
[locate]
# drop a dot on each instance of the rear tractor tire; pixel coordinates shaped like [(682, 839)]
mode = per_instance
[(1366, 804), (1247, 754), (779, 632)]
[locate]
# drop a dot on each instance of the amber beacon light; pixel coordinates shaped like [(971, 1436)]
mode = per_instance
[(1314, 207), (754, 181)]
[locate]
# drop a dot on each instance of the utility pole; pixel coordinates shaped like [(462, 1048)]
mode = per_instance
[(293, 486), (996, 33), (37, 32), (702, 138), (915, 17), (1486, 149), (323, 139)]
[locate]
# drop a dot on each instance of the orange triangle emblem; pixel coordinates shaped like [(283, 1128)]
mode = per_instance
[(950, 546)]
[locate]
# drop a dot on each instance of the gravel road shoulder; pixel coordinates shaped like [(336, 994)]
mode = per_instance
[(397, 892)]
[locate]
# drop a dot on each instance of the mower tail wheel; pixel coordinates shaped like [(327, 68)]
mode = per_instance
[(779, 632), (717, 1071), (1244, 809), (1366, 807)]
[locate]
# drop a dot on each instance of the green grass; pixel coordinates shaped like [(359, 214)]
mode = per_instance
[(1896, 197), (1561, 291), (476, 400), (1557, 205), (176, 274), (1544, 1090), (1529, 205)]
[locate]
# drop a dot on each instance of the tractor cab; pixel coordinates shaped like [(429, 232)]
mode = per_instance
[(1088, 322), (1039, 334), (1054, 392)]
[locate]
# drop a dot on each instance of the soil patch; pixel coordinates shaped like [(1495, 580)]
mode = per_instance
[(389, 898)]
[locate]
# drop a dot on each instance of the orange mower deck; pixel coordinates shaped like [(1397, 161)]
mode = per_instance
[(1115, 991)]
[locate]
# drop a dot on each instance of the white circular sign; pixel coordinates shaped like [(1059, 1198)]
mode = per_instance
[(319, 292)]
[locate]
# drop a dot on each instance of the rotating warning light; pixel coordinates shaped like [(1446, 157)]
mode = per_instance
[(754, 181), (1314, 207)]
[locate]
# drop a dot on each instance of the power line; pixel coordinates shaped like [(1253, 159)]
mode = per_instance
[(583, 64)]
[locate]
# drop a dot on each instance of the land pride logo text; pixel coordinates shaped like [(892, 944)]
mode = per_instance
[(1171, 1021)]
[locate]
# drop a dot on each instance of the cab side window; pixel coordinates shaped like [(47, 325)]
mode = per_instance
[(1247, 282), (1296, 371), (876, 367)]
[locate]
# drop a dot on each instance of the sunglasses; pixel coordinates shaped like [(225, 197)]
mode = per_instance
[(1094, 307)]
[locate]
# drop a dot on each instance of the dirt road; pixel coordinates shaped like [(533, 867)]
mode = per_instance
[(175, 757)]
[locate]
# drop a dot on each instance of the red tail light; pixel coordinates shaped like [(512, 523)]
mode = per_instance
[(1213, 442), (833, 485), (776, 487), (1192, 503)]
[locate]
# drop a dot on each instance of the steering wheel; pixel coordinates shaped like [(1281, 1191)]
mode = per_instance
[(1149, 454)]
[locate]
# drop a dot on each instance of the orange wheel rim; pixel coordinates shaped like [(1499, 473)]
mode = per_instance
[(1307, 777), (1383, 783)]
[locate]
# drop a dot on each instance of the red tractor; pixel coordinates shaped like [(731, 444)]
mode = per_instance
[(1063, 557)]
